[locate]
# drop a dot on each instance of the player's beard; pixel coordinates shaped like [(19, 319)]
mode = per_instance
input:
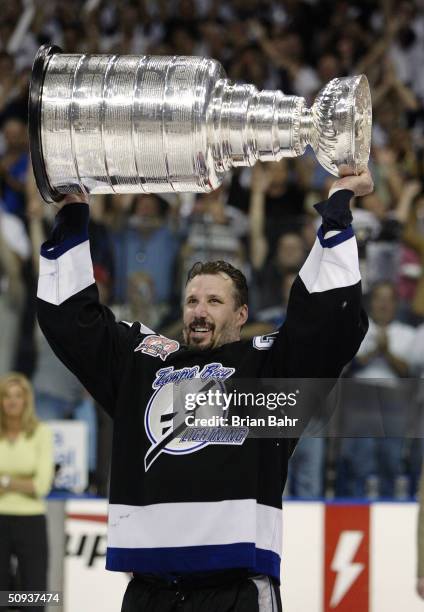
[(217, 338), (193, 346), (195, 341)]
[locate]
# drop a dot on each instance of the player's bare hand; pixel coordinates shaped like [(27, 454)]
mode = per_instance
[(361, 184)]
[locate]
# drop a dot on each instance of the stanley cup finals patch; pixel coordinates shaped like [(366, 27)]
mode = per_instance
[(157, 346)]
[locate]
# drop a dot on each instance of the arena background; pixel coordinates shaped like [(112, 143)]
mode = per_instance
[(340, 553)]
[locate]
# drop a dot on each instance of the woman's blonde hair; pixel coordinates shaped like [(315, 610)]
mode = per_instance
[(29, 418)]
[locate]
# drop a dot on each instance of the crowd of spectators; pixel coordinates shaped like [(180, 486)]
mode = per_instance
[(261, 220)]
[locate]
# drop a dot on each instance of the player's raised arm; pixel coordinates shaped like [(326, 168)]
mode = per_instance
[(325, 322), (82, 332)]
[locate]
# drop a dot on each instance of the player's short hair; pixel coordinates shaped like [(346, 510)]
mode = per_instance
[(241, 292)]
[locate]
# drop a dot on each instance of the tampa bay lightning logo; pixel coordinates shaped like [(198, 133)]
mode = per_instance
[(165, 414)]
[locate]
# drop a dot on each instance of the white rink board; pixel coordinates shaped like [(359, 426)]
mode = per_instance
[(394, 558), (88, 587), (303, 533)]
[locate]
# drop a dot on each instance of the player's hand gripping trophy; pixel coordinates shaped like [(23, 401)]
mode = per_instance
[(135, 124)]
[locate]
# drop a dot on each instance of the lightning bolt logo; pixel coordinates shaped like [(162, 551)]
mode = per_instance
[(172, 424), (347, 571)]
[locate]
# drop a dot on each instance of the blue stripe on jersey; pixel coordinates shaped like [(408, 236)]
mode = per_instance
[(268, 563), (335, 240), (191, 559), (54, 251)]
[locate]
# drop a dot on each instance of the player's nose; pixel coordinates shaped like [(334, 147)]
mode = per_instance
[(201, 310)]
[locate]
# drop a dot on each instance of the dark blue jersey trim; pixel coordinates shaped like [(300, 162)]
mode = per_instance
[(268, 563), (328, 243), (50, 250), (191, 559)]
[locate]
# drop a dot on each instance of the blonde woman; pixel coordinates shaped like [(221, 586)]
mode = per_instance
[(26, 473)]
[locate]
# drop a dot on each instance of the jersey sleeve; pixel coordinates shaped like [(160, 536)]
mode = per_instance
[(82, 332), (325, 322)]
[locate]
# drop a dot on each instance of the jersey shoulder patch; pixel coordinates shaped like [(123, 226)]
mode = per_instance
[(264, 343), (156, 345)]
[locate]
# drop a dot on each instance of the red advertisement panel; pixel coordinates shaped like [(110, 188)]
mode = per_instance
[(346, 558)]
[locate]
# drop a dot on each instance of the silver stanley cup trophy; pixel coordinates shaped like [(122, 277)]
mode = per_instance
[(121, 124)]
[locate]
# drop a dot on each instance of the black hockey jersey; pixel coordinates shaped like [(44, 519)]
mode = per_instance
[(188, 506)]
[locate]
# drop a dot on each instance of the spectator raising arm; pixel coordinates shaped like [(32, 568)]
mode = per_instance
[(258, 242)]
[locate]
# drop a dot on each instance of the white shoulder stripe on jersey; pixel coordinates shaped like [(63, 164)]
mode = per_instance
[(61, 278), (143, 328), (331, 268), (224, 522)]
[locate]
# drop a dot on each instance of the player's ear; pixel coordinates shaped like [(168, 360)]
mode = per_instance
[(243, 314)]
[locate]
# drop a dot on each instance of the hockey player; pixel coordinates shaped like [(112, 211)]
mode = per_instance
[(199, 523)]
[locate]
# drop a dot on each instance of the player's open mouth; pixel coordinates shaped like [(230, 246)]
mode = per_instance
[(201, 330)]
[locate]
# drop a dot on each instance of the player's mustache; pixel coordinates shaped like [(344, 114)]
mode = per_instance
[(201, 322)]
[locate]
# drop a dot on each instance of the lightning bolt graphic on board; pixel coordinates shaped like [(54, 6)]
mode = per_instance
[(347, 571)]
